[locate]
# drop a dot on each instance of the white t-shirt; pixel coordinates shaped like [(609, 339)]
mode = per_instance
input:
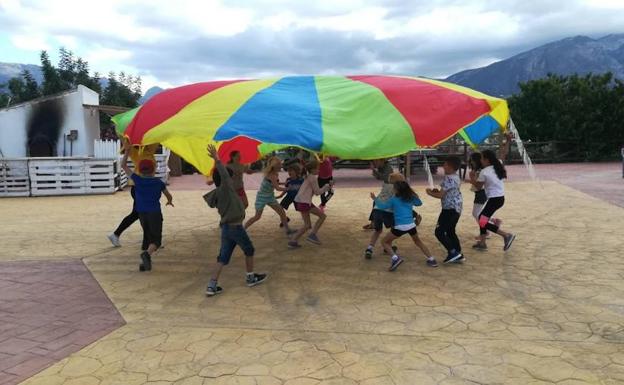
[(494, 187)]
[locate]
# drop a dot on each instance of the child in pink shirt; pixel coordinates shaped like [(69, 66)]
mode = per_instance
[(325, 176), (303, 204)]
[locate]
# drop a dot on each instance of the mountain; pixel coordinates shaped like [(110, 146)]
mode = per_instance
[(11, 70), (149, 93), (580, 55)]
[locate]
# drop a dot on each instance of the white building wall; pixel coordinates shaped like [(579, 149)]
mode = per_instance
[(14, 123)]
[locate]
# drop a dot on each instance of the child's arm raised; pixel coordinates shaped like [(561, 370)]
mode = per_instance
[(223, 172), (124, 159)]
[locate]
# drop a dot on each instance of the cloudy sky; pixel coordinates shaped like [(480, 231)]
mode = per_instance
[(175, 42)]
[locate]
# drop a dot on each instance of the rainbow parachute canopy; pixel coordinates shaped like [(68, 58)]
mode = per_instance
[(353, 117)]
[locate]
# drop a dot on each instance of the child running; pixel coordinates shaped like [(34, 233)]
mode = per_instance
[(239, 170), (491, 179), (381, 171), (480, 197), (266, 194), (148, 190), (383, 217), (232, 211), (326, 176), (292, 185), (303, 204), (136, 155), (401, 204), (451, 198)]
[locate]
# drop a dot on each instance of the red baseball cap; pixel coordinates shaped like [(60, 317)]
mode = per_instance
[(146, 166)]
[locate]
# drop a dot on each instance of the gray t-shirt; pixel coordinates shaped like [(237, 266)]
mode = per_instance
[(453, 197)]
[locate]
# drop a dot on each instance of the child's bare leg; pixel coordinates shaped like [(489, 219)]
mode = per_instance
[(216, 272), (375, 237), (307, 225), (321, 218), (151, 249), (282, 214), (253, 219), (387, 243), (421, 245)]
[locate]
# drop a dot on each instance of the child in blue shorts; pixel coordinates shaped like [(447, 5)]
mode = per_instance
[(232, 211)]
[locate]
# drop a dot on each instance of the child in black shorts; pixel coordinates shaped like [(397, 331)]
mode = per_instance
[(381, 218), (148, 190)]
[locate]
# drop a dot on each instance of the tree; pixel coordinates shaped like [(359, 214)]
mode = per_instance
[(52, 81), (23, 88), (71, 72), (587, 110)]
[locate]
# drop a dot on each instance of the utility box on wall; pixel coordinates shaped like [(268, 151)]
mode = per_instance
[(56, 125)]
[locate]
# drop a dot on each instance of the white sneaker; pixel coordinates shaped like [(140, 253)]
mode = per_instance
[(114, 240)]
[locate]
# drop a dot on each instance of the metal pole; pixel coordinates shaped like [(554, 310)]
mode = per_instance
[(408, 164)]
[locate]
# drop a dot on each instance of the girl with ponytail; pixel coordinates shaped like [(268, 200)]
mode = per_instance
[(491, 179)]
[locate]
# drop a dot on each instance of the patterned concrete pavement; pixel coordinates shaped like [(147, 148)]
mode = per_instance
[(550, 311), (48, 310)]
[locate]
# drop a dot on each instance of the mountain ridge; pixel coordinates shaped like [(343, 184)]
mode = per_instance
[(573, 55)]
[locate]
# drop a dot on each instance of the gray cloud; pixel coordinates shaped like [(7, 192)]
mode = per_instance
[(186, 55)]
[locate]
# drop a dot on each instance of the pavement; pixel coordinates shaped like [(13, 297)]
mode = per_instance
[(549, 311)]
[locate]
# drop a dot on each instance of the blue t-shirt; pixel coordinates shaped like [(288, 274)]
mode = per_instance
[(402, 209), (147, 191), (293, 186)]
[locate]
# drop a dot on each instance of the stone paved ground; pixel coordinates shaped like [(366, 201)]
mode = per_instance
[(48, 310), (549, 311)]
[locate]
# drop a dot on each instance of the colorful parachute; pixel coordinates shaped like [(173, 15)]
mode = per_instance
[(355, 117)]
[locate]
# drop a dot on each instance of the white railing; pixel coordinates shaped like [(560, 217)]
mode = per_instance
[(106, 149)]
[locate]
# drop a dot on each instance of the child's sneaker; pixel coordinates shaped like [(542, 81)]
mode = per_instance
[(508, 241), (395, 263), (457, 257), (114, 239), (146, 260), (432, 262), (293, 245), (314, 239), (256, 279), (287, 220), (368, 254), (211, 291), (479, 246)]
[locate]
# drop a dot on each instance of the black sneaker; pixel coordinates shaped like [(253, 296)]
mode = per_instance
[(395, 263), (256, 279), (432, 262), (211, 291), (454, 258), (479, 246), (146, 260), (368, 254), (508, 241)]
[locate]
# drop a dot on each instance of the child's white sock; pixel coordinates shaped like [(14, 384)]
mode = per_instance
[(430, 258), (370, 247), (395, 257)]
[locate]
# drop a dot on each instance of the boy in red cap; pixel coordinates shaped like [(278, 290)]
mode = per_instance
[(148, 190)]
